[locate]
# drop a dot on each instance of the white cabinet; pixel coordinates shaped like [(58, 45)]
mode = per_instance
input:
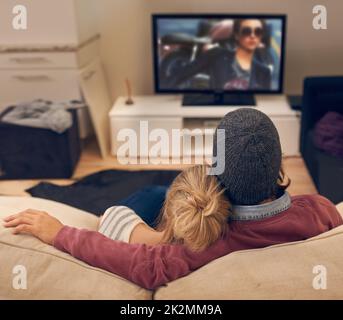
[(142, 130), (52, 76), (51, 84), (49, 75), (166, 112), (44, 61)]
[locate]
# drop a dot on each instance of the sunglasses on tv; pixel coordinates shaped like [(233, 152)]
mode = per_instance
[(248, 31)]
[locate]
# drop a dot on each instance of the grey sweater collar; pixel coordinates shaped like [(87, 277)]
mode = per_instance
[(261, 211)]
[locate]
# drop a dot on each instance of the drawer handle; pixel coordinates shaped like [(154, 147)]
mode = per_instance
[(29, 60), (33, 78), (89, 75)]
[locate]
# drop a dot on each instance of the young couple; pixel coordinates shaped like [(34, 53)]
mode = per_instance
[(158, 235)]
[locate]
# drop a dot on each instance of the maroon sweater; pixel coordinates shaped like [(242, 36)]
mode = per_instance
[(153, 266)]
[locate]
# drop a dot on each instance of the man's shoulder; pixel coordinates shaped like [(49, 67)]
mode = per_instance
[(313, 204), (310, 200)]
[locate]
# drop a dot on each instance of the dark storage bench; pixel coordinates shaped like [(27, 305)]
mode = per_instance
[(35, 153)]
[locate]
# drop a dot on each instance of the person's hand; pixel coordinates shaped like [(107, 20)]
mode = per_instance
[(37, 223)]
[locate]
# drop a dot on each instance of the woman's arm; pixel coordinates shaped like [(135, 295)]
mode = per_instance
[(143, 234), (124, 224), (147, 266)]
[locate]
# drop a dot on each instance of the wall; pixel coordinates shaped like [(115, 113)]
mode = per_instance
[(62, 22), (126, 45), (44, 25)]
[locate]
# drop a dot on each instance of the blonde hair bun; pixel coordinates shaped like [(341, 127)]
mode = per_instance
[(196, 209)]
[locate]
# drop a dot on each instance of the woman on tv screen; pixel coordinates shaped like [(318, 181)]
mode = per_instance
[(235, 56)]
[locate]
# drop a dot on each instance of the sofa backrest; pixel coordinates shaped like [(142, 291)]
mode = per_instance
[(287, 271)]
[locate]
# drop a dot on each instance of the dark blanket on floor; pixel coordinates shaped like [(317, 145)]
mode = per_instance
[(97, 192)]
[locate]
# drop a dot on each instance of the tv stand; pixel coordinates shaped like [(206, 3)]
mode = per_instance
[(166, 112), (218, 99)]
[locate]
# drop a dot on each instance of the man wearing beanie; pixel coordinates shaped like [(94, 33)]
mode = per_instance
[(253, 151), (247, 151)]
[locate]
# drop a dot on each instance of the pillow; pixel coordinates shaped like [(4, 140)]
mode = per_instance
[(284, 271), (328, 134), (52, 274)]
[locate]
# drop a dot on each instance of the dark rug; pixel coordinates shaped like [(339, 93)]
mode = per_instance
[(97, 192)]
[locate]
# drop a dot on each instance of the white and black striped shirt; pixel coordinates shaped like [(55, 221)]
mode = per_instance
[(118, 223)]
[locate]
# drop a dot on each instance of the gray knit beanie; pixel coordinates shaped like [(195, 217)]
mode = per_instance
[(252, 156)]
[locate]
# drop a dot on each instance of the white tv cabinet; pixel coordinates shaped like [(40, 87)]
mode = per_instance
[(166, 112)]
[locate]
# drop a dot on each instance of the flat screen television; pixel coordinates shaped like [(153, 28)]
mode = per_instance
[(218, 59)]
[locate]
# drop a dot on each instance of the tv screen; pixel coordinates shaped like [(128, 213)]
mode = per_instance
[(218, 53)]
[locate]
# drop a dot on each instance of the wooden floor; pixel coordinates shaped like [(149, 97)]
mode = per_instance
[(91, 162)]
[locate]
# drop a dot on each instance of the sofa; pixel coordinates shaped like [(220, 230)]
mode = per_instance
[(278, 272), (321, 95)]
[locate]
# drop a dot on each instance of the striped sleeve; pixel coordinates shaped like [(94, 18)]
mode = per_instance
[(118, 222)]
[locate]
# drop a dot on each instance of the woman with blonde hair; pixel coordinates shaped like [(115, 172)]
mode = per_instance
[(195, 213)]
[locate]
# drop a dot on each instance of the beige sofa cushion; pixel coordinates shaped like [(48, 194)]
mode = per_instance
[(277, 272), (52, 274)]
